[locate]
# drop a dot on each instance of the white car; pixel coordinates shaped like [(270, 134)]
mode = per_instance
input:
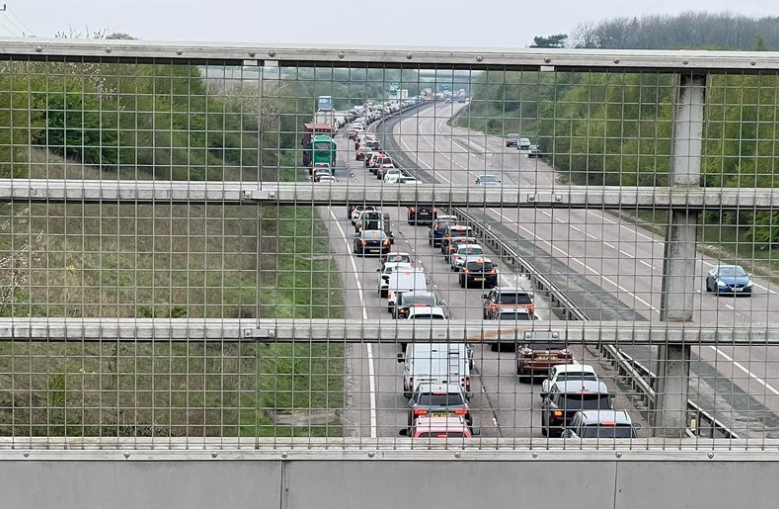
[(487, 180), (407, 179), (359, 210), (426, 313), (384, 275), (568, 372), (391, 171), (328, 178), (457, 258)]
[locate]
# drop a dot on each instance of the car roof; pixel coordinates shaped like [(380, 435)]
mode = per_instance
[(454, 421), (396, 253), (418, 292), (574, 368), (598, 416), (443, 216), (370, 232), (575, 386), (428, 310), (396, 265), (728, 267), (476, 258), (431, 387), (510, 289), (468, 246)]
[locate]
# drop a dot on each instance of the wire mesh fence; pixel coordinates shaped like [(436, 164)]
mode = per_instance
[(382, 196)]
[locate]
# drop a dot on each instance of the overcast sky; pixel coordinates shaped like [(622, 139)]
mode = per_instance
[(486, 23)]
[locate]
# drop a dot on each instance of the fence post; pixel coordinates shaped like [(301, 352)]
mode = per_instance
[(669, 418)]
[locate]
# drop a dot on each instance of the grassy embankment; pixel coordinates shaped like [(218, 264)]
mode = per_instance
[(157, 261)]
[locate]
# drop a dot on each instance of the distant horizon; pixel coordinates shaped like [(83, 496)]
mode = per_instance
[(309, 23)]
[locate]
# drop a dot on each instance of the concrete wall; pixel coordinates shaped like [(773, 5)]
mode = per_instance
[(377, 483)]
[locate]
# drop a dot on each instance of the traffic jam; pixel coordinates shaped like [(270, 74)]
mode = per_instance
[(575, 402)]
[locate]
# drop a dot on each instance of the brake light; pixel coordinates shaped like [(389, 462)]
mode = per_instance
[(466, 380), (526, 351), (460, 411), (583, 392), (420, 411), (412, 209), (557, 413), (466, 271), (608, 424), (566, 352), (386, 242), (363, 243), (494, 271)]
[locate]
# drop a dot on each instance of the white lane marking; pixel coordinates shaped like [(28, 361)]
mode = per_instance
[(636, 232), (745, 370), (368, 346)]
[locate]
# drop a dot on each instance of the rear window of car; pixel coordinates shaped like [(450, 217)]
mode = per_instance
[(442, 434), (445, 223), (470, 251), (599, 431), (479, 266), (514, 298), (428, 316), (546, 346), (580, 375), (515, 316), (411, 300), (451, 399), (590, 401)]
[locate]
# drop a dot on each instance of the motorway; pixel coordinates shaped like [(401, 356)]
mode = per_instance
[(502, 407), (619, 259)]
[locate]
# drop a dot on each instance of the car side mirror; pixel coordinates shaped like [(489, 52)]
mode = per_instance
[(476, 432), (495, 265), (400, 357), (468, 395), (749, 275), (403, 432), (378, 270), (485, 295), (637, 427), (567, 434), (442, 302)]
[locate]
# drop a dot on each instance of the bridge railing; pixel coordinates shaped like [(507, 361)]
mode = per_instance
[(169, 272)]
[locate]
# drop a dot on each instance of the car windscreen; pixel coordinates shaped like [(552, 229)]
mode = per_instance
[(597, 431), (442, 434), (732, 272), (450, 399), (479, 266), (514, 298), (590, 401), (322, 145)]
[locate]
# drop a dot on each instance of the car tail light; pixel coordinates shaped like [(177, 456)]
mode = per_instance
[(412, 209), (609, 424), (494, 271), (420, 411), (460, 411), (526, 351), (557, 413), (566, 352), (411, 383), (363, 243), (466, 271), (466, 380), (386, 242)]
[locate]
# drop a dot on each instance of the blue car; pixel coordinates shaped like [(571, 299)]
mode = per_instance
[(729, 279), (438, 229)]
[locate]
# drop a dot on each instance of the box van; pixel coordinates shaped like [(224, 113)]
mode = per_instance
[(406, 280), (435, 363)]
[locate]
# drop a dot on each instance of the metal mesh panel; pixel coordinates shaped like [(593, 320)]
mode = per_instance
[(151, 197)]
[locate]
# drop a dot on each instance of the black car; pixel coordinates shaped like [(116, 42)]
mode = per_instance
[(439, 400), (420, 214), (373, 242), (438, 229), (480, 271), (567, 398)]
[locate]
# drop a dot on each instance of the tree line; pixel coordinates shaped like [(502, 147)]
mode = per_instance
[(615, 129)]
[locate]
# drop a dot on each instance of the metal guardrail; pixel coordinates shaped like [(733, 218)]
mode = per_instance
[(639, 378), (641, 381)]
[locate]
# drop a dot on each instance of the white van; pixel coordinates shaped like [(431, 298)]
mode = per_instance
[(435, 363), (406, 280)]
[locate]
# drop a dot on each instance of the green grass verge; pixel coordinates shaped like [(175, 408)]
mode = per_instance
[(168, 261)]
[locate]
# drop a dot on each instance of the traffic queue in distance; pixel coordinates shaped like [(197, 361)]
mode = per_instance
[(575, 403)]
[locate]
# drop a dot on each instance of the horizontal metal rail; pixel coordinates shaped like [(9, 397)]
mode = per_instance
[(604, 60), (358, 331), (569, 197)]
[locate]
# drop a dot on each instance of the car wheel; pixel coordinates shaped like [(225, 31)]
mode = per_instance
[(544, 430), (494, 347), (461, 283), (708, 287)]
